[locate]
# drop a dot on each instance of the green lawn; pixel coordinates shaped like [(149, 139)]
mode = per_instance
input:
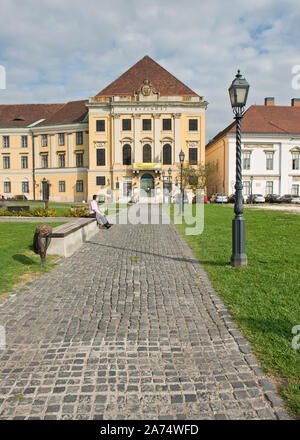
[(18, 262), (264, 297)]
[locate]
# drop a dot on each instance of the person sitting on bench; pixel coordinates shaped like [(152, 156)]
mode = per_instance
[(95, 211)]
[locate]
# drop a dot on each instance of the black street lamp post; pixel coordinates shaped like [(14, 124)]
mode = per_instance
[(251, 196), (238, 92), (181, 205)]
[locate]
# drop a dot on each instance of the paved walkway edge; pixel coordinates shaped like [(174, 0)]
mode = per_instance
[(269, 388)]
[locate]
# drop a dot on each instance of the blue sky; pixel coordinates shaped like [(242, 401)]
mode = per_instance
[(60, 50)]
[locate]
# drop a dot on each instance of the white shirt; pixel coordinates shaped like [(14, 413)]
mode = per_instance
[(94, 208)]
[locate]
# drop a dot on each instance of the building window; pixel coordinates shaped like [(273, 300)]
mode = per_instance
[(147, 124), (246, 187), (295, 190), (100, 157), (296, 157), (100, 180), (79, 160), (126, 124), (62, 186), (147, 153), (5, 141), (167, 154), (25, 187), (45, 161), (269, 187), (167, 124), (24, 141), (44, 140), (126, 154), (270, 162), (193, 156), (246, 161), (79, 138), (24, 161), (100, 125), (61, 160), (7, 187), (193, 124), (61, 139), (6, 162), (79, 186)]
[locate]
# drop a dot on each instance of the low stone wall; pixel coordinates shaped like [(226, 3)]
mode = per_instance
[(66, 239)]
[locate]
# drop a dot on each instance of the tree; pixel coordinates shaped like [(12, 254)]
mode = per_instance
[(197, 176)]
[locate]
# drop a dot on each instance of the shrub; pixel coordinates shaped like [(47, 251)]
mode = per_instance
[(37, 212), (77, 212), (42, 212), (21, 213)]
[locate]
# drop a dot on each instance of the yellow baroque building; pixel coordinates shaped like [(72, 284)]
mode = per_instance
[(122, 143)]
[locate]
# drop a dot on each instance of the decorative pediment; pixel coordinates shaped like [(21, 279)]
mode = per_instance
[(147, 92), (146, 139), (127, 140), (100, 144), (295, 150), (193, 144), (167, 139)]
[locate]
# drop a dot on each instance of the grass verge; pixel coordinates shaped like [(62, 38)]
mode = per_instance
[(18, 262), (263, 297)]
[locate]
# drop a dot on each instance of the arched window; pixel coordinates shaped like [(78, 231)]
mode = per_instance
[(147, 153), (126, 154), (167, 154)]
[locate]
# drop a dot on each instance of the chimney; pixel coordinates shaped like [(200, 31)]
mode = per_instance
[(295, 102), (270, 101)]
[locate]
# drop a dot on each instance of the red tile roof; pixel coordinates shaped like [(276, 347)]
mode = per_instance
[(22, 115), (74, 111), (161, 80), (267, 120)]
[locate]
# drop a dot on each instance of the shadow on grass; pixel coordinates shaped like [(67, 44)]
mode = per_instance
[(23, 259), (214, 263), (281, 328)]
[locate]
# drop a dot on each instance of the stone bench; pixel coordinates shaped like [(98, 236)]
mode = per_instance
[(67, 238)]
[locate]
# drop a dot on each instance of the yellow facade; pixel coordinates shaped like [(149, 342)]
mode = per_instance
[(137, 140), (216, 156)]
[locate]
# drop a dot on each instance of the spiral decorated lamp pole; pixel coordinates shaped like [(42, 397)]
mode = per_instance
[(238, 92)]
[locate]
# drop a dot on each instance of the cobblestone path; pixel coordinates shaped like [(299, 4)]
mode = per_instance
[(129, 327)]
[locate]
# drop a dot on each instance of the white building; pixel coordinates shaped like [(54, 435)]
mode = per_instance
[(270, 151)]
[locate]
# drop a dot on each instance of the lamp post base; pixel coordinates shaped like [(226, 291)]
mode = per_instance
[(238, 257)]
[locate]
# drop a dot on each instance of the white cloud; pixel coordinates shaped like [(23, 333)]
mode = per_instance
[(58, 50)]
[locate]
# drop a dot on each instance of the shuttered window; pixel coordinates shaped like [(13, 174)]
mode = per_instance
[(193, 156), (100, 180), (100, 125), (126, 124), (100, 157), (193, 124), (167, 124), (167, 154), (147, 153), (126, 154)]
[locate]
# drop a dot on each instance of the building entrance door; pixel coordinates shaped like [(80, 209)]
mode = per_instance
[(147, 185)]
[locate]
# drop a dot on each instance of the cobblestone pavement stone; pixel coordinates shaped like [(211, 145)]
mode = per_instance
[(129, 327)]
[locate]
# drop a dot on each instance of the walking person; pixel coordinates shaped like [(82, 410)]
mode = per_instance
[(94, 210)]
